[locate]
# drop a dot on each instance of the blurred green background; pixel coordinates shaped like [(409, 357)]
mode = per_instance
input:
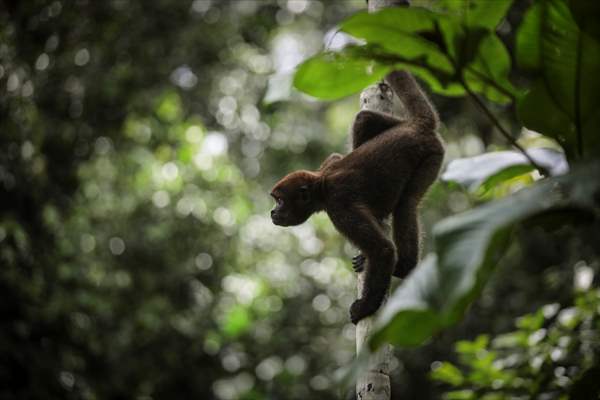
[(138, 144)]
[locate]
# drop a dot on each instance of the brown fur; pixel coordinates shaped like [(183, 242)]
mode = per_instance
[(392, 165)]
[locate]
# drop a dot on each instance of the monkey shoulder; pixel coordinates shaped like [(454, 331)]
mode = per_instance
[(344, 186)]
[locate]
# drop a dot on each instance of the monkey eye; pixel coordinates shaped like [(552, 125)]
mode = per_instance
[(304, 193)]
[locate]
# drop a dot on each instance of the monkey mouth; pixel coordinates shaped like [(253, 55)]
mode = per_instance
[(277, 220)]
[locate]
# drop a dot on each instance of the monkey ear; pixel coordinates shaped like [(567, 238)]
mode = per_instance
[(304, 193)]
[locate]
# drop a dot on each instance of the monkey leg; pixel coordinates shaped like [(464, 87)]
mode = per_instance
[(369, 124), (359, 260), (406, 224), (406, 230), (363, 230)]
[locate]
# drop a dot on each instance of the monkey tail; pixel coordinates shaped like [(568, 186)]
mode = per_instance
[(422, 113)]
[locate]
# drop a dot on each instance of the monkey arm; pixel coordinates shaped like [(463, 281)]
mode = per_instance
[(369, 124), (420, 109), (330, 160)]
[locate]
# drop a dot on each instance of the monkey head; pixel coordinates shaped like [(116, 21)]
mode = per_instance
[(295, 198)]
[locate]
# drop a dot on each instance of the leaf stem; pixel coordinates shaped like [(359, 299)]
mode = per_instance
[(543, 171), (491, 82)]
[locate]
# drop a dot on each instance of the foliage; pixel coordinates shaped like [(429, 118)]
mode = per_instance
[(467, 248), (553, 351), (137, 259), (457, 51), (485, 172)]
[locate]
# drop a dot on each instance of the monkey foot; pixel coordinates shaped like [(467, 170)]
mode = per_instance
[(361, 309), (358, 263), (403, 268)]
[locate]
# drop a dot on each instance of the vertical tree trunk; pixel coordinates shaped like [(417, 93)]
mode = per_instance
[(374, 382)]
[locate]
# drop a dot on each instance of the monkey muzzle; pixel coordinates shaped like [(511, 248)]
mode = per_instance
[(278, 218)]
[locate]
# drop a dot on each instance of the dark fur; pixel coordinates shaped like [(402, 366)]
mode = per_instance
[(392, 165)]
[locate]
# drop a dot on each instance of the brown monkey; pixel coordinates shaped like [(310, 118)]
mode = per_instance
[(392, 165)]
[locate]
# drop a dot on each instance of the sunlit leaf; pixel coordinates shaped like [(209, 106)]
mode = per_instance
[(468, 247), (448, 373), (495, 167), (397, 30), (334, 75)]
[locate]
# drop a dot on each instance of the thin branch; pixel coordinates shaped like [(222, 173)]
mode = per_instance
[(543, 171), (491, 83)]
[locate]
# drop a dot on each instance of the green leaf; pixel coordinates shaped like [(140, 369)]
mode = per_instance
[(540, 112), (397, 31), (440, 81), (331, 76), (488, 73), (461, 43), (489, 169), (441, 85), (334, 75), (515, 174), (466, 394), (528, 48), (448, 373), (563, 103), (469, 245), (473, 348), (482, 13)]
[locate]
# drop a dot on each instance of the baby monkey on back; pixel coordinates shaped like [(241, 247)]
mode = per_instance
[(391, 166)]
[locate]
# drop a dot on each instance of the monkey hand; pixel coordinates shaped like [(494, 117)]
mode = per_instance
[(361, 309), (358, 263)]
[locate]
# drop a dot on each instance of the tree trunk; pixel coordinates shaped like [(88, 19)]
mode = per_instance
[(374, 382)]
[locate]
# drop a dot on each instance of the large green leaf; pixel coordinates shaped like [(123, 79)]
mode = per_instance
[(442, 45), (334, 75), (483, 13), (488, 73), (397, 31), (443, 50), (468, 247), (564, 101)]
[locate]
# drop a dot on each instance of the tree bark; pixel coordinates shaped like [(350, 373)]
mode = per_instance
[(374, 382)]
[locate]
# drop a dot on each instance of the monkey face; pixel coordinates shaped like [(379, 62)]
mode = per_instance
[(293, 200)]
